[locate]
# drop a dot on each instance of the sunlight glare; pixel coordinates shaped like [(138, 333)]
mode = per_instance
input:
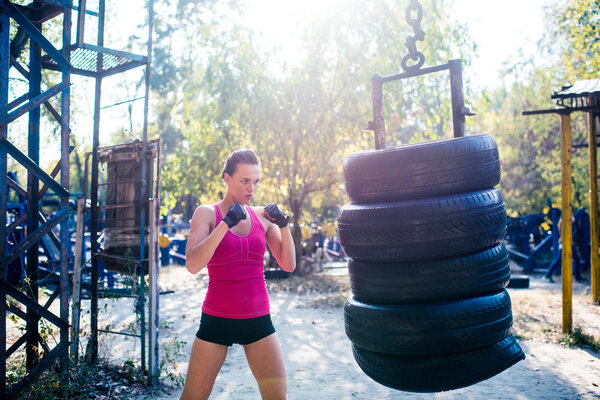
[(280, 24)]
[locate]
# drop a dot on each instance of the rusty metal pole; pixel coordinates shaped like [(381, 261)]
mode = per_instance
[(33, 201), (4, 68), (93, 353), (65, 114), (378, 115), (593, 161), (567, 227), (458, 97)]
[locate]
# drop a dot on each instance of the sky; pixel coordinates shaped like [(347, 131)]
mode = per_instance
[(499, 28)]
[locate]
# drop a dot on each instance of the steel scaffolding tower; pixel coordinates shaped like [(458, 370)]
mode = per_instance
[(91, 60)]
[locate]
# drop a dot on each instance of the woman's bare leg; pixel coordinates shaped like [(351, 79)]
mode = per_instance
[(266, 363), (206, 360)]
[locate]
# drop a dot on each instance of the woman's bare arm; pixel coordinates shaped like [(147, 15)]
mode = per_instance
[(281, 244), (202, 243)]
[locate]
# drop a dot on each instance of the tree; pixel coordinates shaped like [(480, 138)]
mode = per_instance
[(303, 119), (305, 123), (530, 145), (577, 37)]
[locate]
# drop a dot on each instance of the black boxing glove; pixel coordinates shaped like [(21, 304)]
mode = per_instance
[(275, 215), (235, 214)]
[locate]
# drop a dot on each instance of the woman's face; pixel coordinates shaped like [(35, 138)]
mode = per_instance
[(243, 183)]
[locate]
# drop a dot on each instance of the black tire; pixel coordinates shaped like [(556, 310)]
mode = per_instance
[(519, 282), (423, 229), (422, 170), (439, 373), (276, 274), (426, 281), (429, 329)]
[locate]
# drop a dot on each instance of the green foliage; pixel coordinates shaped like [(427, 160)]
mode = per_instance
[(301, 119), (223, 93), (168, 362), (579, 338), (578, 37), (530, 145)]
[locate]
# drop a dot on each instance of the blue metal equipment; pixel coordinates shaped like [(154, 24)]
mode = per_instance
[(533, 240)]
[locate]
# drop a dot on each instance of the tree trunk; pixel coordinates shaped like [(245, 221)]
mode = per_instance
[(297, 237)]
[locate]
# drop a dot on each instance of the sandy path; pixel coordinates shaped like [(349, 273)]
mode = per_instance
[(320, 364)]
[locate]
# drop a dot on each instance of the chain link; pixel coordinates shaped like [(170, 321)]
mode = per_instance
[(417, 58)]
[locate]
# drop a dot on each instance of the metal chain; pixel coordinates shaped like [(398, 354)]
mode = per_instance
[(416, 56)]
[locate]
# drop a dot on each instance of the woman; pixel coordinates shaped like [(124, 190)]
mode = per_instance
[(236, 308)]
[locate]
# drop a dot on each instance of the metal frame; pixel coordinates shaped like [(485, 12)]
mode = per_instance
[(583, 96), (411, 64), (459, 111), (37, 227), (84, 59), (150, 205)]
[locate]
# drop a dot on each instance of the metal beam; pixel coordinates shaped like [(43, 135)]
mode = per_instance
[(34, 103), (16, 187), (32, 166), (33, 200), (100, 49), (93, 354), (25, 73), (34, 237), (15, 223), (44, 363), (566, 110), (65, 240), (22, 192), (122, 68), (18, 101), (419, 72), (4, 69), (80, 35), (32, 304), (458, 98), (378, 125), (17, 65), (88, 12), (16, 346), (35, 34)]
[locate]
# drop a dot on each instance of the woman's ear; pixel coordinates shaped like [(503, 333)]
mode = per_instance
[(226, 178)]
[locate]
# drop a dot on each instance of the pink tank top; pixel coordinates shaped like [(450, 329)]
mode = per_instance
[(236, 279)]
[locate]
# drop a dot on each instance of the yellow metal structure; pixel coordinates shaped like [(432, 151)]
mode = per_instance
[(567, 228), (593, 161)]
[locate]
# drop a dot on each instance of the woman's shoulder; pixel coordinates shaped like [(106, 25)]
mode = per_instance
[(204, 212), (258, 211), (205, 208)]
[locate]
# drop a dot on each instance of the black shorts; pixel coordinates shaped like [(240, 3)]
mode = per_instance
[(227, 331)]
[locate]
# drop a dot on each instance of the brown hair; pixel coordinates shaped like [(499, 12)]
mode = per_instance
[(242, 156)]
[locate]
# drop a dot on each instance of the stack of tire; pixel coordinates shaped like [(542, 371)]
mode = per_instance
[(429, 311)]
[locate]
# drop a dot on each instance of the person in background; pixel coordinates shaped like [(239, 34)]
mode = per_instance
[(558, 259)]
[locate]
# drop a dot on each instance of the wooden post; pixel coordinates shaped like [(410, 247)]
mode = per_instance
[(567, 228), (153, 293), (77, 270), (592, 142)]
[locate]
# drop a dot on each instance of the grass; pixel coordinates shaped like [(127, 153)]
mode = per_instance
[(578, 338)]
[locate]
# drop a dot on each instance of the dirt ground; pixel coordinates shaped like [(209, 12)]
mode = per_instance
[(308, 315), (309, 318)]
